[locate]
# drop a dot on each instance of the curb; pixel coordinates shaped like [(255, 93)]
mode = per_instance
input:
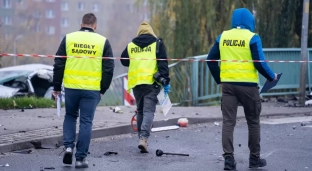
[(118, 130)]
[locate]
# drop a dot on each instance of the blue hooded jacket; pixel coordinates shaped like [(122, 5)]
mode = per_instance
[(244, 19)]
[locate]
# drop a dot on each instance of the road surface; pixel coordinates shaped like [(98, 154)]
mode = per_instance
[(285, 144)]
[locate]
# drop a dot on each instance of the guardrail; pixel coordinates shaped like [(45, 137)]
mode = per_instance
[(192, 83)]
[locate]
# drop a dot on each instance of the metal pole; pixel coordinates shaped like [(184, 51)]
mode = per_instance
[(304, 42), (309, 73)]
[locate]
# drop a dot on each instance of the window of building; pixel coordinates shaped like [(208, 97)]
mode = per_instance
[(64, 6), (6, 20), (21, 4), (37, 14), (95, 7), (38, 28), (50, 14), (81, 6), (7, 3), (50, 30), (64, 22)]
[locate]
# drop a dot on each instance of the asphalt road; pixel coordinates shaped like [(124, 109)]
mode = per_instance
[(286, 148)]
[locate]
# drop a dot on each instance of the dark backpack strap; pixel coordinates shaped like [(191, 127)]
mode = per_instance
[(157, 45)]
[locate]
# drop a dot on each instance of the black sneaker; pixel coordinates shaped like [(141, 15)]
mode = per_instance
[(68, 156), (257, 162), (229, 163)]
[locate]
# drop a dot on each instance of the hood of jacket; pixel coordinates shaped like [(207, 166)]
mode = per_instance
[(243, 18), (145, 35)]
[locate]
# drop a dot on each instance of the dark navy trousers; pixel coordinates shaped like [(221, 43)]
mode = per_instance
[(83, 102)]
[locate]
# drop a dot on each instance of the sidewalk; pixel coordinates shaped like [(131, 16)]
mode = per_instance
[(19, 128)]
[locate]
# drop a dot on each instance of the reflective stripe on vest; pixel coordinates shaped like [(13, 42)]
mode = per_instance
[(84, 73), (141, 71), (234, 45)]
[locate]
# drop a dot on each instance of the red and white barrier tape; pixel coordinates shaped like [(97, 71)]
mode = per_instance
[(185, 59)]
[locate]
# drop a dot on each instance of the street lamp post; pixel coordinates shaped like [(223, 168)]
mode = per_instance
[(16, 38)]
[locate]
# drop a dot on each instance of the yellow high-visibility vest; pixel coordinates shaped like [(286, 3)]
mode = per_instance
[(84, 73), (141, 71), (235, 45)]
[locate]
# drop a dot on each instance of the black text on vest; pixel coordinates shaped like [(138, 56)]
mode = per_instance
[(84, 49), (138, 49), (237, 43)]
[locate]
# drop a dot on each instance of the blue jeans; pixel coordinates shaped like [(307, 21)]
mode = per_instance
[(86, 101)]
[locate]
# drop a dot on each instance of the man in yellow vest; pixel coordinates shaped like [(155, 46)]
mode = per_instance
[(239, 82), (145, 77), (85, 81)]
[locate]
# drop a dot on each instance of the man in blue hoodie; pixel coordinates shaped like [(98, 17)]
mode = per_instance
[(239, 82)]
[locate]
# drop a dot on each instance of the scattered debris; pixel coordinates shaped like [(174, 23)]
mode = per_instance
[(22, 131), (4, 128), (89, 152), (308, 103), (6, 165), (294, 127), (173, 113), (23, 151), (109, 153), (282, 100), (22, 110), (303, 124), (49, 168), (117, 110), (56, 127), (196, 113), (165, 128), (239, 145), (93, 164), (183, 122), (38, 145), (306, 167), (220, 158), (167, 136), (216, 123)]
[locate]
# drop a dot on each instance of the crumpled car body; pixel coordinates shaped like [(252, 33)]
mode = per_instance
[(27, 80)]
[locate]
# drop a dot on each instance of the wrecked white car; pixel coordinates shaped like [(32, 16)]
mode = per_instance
[(26, 80)]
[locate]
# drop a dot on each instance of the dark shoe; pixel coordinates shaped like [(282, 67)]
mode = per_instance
[(257, 162), (82, 163), (229, 163), (68, 156)]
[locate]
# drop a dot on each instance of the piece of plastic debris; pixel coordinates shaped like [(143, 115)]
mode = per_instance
[(294, 127), (183, 122), (306, 167), (23, 151), (216, 123), (110, 153), (6, 165), (117, 110), (166, 128), (303, 124), (49, 168)]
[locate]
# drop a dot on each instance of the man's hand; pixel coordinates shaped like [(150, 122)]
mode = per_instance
[(55, 94)]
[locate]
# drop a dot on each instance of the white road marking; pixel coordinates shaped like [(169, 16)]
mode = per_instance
[(267, 154), (287, 120)]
